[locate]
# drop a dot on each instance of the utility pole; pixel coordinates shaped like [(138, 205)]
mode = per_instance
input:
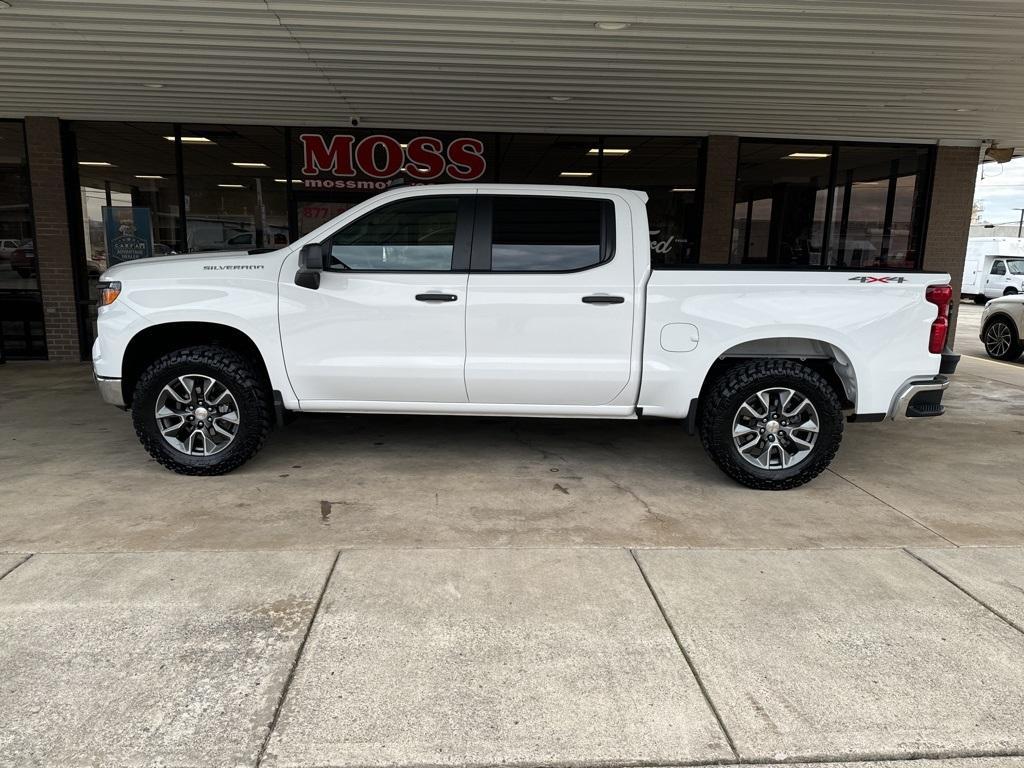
[(1020, 226)]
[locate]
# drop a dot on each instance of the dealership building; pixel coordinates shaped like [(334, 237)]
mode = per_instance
[(768, 135)]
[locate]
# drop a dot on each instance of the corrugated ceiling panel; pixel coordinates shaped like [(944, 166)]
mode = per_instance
[(949, 70)]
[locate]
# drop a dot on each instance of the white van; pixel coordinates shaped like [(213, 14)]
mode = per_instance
[(994, 267)]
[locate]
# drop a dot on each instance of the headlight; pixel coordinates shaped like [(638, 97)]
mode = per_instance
[(109, 291)]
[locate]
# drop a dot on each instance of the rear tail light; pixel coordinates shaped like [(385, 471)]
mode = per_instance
[(940, 296)]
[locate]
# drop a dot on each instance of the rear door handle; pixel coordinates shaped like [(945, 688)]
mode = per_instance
[(436, 297), (601, 298)]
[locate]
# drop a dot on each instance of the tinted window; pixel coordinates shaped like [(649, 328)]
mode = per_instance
[(415, 235), (999, 268), (545, 234)]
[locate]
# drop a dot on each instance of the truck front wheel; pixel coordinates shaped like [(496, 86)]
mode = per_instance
[(201, 410), (771, 424)]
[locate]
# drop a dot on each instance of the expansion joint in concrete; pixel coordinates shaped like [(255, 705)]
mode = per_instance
[(295, 663), (16, 566), (966, 591), (686, 657)]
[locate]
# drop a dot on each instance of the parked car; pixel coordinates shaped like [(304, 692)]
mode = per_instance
[(7, 246), (23, 259), (509, 300), (1002, 327)]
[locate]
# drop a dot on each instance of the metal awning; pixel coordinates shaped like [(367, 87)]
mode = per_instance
[(946, 70)]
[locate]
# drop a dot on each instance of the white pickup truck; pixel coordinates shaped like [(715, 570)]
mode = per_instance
[(510, 300)]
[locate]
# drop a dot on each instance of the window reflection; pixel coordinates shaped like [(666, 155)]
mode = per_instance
[(781, 199), (877, 207), (235, 187), (782, 205), (21, 312), (127, 169)]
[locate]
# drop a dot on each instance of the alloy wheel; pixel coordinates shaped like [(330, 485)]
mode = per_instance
[(775, 428), (197, 415), (998, 339)]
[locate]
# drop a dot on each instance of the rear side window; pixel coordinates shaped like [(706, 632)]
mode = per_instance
[(550, 234), (999, 268), (415, 235)]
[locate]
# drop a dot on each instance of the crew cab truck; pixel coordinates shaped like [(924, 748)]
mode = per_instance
[(510, 300)]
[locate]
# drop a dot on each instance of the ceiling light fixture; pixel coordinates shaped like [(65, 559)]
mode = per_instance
[(232, 186), (153, 85), (250, 165), (806, 156), (963, 109), (97, 163), (576, 174), (610, 152), (285, 181), (611, 26), (146, 176), (684, 189), (560, 98), (191, 139)]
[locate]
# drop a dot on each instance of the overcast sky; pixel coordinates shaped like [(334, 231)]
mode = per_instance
[(1000, 191)]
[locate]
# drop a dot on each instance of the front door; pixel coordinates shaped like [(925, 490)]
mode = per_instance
[(387, 323), (996, 281), (550, 316)]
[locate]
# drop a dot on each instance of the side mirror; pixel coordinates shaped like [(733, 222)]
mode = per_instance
[(312, 257), (311, 264)]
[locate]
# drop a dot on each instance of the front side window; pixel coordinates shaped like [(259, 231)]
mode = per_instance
[(547, 234), (999, 268), (416, 235)]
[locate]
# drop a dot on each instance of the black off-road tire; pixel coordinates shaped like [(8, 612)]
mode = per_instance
[(724, 398), (247, 386)]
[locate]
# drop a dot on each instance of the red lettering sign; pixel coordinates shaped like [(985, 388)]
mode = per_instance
[(467, 159), (318, 156), (381, 157)]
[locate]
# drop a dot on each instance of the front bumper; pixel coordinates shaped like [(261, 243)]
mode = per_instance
[(110, 390)]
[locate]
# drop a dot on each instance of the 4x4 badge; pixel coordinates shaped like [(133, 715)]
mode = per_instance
[(885, 279)]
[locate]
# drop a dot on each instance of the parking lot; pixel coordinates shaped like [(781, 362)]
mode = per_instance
[(422, 591)]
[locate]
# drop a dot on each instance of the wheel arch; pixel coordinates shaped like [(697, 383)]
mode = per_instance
[(1000, 315), (822, 356), (156, 340)]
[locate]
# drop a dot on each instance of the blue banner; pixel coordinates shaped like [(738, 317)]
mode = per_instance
[(129, 233)]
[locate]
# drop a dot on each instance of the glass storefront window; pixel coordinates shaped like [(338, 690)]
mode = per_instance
[(668, 170), (782, 215), (235, 187), (878, 205), (21, 314), (781, 199), (129, 194)]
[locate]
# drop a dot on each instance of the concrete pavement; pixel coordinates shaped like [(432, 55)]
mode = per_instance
[(468, 592), (528, 657)]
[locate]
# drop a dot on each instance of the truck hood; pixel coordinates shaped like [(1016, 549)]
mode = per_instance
[(214, 259)]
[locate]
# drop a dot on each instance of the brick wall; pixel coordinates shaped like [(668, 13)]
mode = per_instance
[(53, 244), (949, 219), (719, 199)]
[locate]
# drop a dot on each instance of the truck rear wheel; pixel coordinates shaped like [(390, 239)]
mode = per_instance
[(771, 424), (201, 410)]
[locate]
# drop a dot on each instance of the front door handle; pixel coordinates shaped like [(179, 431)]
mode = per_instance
[(436, 297), (601, 298)]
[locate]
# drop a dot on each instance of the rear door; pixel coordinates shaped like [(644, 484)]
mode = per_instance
[(550, 314), (387, 323)]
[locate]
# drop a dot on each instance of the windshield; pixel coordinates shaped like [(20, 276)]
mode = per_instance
[(1016, 267)]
